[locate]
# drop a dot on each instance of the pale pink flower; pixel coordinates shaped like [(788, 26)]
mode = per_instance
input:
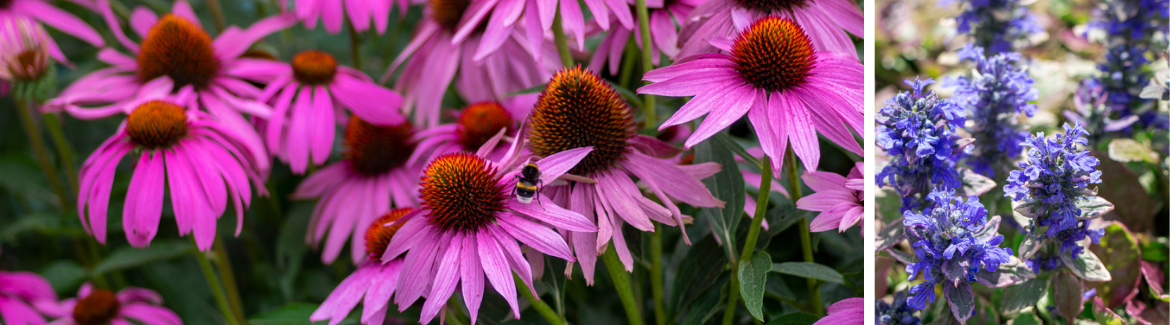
[(44, 12), (100, 306), (23, 297), (825, 22), (840, 200), (373, 280)]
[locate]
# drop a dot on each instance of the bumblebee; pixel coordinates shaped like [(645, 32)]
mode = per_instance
[(528, 184)]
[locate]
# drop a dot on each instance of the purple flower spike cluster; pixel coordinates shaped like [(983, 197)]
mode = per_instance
[(1052, 187), (953, 241), (1093, 111), (995, 93), (1131, 28), (917, 130), (997, 25), (896, 313)]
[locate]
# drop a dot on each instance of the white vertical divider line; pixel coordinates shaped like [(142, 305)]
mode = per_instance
[(870, 10)]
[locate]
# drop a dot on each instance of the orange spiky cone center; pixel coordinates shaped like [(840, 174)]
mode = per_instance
[(314, 67), (179, 49), (99, 307), (157, 124), (577, 109), (375, 150), (773, 55), (448, 12), (480, 122), (382, 230), (462, 192)]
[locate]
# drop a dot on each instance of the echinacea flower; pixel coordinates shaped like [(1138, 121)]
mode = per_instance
[(897, 312), (840, 200), (953, 240), (998, 90), (1052, 188), (351, 192), (484, 64), (917, 131), (44, 12), (774, 74), (537, 17), (474, 126), (24, 49), (996, 25), (373, 280), (189, 154), (175, 47), (824, 21), (100, 306), (848, 311), (358, 12), (663, 33), (468, 225), (307, 95), (577, 109), (23, 297)]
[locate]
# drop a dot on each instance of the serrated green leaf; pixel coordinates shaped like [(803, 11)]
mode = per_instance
[(727, 185), (1129, 150), (1018, 297), (127, 257), (753, 277), (1093, 207), (1031, 245), (809, 270), (1086, 266), (961, 300), (697, 271), (890, 235)]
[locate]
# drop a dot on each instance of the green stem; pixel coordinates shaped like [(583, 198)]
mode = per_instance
[(648, 111), (223, 264), (64, 150), (456, 316), (562, 43), (805, 238), (355, 43), (628, 65), (25, 109), (621, 282), (656, 275), (221, 299), (216, 14), (749, 246), (547, 312)]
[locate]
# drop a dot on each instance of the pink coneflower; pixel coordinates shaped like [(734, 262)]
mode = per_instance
[(303, 122), (849, 311), (353, 191), (840, 200), (176, 47), (774, 75), (475, 125), (662, 31), (187, 153), (23, 297), (100, 306), (373, 280), (24, 51), (359, 12), (436, 54), (537, 13), (577, 109), (468, 227), (823, 21), (45, 13)]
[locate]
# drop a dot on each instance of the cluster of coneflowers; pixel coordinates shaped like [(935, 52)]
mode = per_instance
[(426, 197)]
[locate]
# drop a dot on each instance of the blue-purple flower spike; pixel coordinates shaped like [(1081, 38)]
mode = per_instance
[(1052, 187), (997, 91), (1130, 28), (953, 242), (997, 25), (917, 130), (897, 312)]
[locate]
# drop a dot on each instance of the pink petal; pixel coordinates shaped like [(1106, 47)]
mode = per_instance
[(552, 214), (535, 235), (495, 267), (143, 209), (323, 126), (445, 280), (472, 275)]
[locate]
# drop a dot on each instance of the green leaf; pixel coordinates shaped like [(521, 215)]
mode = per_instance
[(1129, 150), (738, 150), (1028, 318), (708, 304), (1105, 316), (127, 257), (890, 235), (1015, 270), (64, 275), (1025, 294), (293, 314), (797, 318), (23, 179), (36, 222), (291, 248), (697, 271), (1093, 207), (1086, 266), (961, 299), (1066, 295), (974, 183), (809, 270), (726, 185), (1031, 245), (753, 276), (530, 90)]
